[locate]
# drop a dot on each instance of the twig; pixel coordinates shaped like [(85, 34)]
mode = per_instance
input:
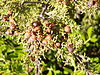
[(78, 57), (87, 41), (39, 2), (43, 11), (37, 67), (28, 68)]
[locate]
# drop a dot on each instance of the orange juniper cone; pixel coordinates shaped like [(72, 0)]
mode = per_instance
[(32, 58), (93, 2), (49, 37), (51, 24), (32, 47), (64, 2), (46, 23), (9, 32), (5, 18), (39, 38), (10, 12), (39, 22), (70, 48), (67, 29), (57, 44), (36, 29), (12, 20), (36, 23), (31, 39), (48, 30), (12, 25), (27, 35), (45, 41)]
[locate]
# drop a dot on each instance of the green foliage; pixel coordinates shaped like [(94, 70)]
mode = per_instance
[(11, 56)]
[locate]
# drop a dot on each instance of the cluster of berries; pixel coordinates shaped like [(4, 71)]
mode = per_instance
[(37, 33)]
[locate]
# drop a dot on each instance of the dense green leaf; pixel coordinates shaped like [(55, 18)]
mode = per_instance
[(89, 32)]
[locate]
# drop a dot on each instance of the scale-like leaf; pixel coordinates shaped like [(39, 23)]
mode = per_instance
[(89, 31)]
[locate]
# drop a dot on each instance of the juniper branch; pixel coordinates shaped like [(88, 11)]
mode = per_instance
[(38, 2), (43, 11)]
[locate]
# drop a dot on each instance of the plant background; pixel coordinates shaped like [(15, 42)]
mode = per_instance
[(82, 16)]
